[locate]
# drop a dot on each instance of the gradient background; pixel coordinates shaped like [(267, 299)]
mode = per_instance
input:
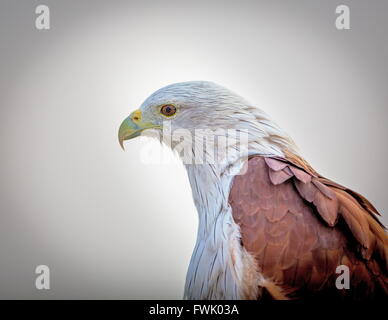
[(107, 224)]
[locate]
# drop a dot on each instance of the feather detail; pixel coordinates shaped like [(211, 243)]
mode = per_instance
[(299, 227)]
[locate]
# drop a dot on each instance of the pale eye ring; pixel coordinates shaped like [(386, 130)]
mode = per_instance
[(168, 110)]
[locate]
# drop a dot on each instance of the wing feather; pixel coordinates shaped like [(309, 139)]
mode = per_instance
[(299, 227)]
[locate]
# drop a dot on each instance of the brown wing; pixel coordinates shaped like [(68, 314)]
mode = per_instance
[(300, 227)]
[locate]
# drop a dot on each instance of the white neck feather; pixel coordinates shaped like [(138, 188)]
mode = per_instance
[(211, 273)]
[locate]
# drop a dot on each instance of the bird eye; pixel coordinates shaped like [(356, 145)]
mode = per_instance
[(168, 110)]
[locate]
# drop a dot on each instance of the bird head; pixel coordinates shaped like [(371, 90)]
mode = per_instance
[(205, 107)]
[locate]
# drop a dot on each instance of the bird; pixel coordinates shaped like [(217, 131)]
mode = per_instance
[(270, 227)]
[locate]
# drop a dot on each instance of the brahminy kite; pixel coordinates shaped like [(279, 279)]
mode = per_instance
[(270, 226)]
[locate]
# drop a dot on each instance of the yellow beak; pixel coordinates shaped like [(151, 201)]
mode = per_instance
[(132, 127)]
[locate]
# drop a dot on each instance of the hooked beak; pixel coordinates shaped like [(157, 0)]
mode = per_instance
[(132, 127)]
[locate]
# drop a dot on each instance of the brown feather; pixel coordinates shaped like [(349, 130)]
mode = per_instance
[(299, 226)]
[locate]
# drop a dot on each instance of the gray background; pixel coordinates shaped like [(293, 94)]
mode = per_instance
[(107, 224)]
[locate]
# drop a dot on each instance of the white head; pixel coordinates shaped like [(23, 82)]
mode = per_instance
[(187, 108)]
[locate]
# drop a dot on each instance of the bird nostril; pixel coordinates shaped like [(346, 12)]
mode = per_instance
[(136, 116)]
